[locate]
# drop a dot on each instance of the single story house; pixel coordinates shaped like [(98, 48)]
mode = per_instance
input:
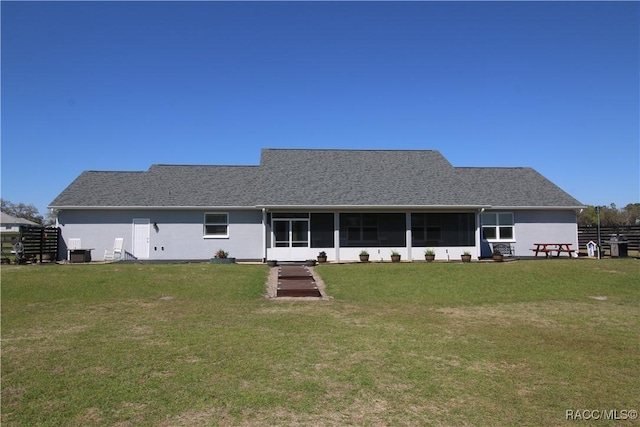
[(12, 223), (299, 202)]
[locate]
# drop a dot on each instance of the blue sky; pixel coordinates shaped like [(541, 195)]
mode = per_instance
[(124, 85)]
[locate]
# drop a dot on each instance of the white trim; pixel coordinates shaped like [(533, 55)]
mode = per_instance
[(380, 208), (316, 207), (264, 234), (408, 236), (537, 208), (145, 208)]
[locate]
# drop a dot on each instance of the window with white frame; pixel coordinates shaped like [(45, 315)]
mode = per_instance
[(498, 226), (216, 224)]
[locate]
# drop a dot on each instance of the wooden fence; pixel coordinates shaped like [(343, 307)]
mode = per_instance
[(631, 233), (40, 243)]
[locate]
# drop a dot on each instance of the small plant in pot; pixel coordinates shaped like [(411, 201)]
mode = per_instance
[(322, 257), (364, 256), (395, 256), (222, 257), (497, 256), (221, 253), (429, 255), (466, 256)]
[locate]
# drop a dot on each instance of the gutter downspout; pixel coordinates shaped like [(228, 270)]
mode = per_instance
[(264, 235), (479, 234)]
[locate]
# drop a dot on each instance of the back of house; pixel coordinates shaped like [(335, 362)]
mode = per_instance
[(299, 202)]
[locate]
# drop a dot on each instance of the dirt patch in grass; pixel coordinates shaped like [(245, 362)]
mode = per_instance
[(90, 417), (548, 315), (501, 315), (203, 417)]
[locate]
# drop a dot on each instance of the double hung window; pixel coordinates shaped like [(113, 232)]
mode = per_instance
[(498, 226), (216, 225)]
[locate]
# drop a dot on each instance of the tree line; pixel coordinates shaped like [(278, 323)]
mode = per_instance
[(610, 216)]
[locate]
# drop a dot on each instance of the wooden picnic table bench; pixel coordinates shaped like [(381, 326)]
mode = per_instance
[(548, 248)]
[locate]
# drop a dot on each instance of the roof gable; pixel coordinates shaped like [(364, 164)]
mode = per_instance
[(360, 178)]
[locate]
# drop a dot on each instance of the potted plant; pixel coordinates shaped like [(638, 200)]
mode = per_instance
[(466, 256), (395, 256), (497, 256), (272, 263), (310, 262), (322, 257), (429, 255), (222, 257), (364, 256)]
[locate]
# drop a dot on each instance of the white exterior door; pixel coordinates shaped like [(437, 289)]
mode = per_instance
[(290, 239), (141, 232)]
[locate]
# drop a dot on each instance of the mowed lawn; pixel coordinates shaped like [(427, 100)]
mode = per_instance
[(517, 343)]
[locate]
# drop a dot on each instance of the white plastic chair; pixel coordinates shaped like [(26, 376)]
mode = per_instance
[(116, 252)]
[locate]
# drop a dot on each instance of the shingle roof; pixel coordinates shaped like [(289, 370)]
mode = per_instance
[(515, 187), (289, 177), (362, 178), (163, 185), (6, 219)]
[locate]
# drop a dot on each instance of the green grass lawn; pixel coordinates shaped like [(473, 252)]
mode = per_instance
[(516, 343)]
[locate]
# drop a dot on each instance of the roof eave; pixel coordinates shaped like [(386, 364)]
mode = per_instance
[(371, 207), (320, 207), (539, 208), (177, 208)]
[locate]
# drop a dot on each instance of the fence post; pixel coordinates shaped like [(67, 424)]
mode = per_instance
[(41, 243), (599, 243)]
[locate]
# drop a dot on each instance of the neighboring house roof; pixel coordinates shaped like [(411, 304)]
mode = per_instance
[(318, 178), (6, 219)]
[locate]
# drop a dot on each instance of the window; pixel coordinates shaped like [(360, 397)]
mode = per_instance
[(289, 230), (371, 229), (322, 230), (442, 229), (497, 226), (216, 225)]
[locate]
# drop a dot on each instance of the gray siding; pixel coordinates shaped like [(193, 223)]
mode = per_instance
[(179, 235), (544, 227), (539, 226)]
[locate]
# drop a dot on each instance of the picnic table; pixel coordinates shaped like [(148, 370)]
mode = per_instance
[(549, 248)]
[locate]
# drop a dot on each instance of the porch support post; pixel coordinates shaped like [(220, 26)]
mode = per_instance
[(479, 232), (264, 235), (408, 236), (336, 234)]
